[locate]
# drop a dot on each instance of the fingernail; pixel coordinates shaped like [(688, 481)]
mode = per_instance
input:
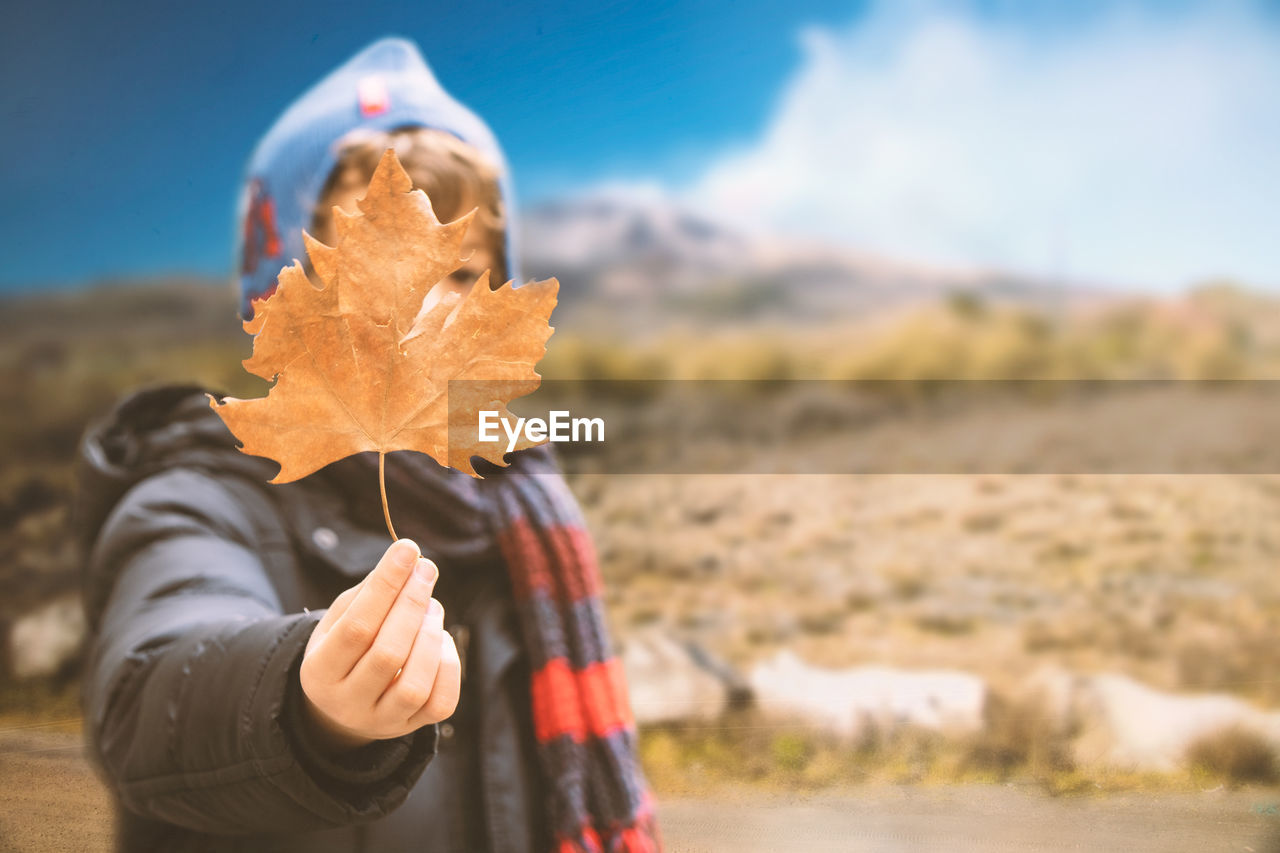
[(406, 553), (435, 608), (426, 570)]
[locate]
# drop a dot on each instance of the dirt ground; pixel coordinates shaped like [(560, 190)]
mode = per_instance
[(49, 796), (50, 800), (1166, 578), (974, 819)]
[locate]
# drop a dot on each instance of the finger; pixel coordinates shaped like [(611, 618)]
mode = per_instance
[(412, 688), (390, 649), (355, 630), (446, 689), (339, 606)]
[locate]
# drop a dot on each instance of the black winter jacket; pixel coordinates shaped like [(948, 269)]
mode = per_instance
[(203, 585)]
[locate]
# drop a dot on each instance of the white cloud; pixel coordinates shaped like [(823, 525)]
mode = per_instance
[(1138, 149)]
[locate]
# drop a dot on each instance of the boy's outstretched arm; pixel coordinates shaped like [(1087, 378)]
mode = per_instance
[(193, 698)]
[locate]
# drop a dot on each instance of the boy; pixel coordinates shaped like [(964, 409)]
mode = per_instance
[(470, 707)]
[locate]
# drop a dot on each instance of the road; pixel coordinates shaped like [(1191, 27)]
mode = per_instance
[(976, 819), (51, 800)]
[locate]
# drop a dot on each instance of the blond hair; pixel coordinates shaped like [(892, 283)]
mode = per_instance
[(453, 174)]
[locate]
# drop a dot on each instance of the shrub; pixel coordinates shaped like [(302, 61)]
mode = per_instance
[(1236, 755)]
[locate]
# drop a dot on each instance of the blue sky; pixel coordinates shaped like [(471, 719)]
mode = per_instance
[(127, 124), (1036, 137)]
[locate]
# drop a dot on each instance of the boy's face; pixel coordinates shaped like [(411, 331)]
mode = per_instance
[(477, 247)]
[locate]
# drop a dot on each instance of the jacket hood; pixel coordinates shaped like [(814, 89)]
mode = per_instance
[(149, 431), (385, 86)]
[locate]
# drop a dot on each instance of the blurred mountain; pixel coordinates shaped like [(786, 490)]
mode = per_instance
[(179, 308), (631, 226), (638, 258), (627, 259)]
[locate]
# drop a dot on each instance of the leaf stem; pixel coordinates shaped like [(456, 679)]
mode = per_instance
[(382, 487)]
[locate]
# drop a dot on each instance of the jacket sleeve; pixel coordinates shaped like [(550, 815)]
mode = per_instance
[(192, 692)]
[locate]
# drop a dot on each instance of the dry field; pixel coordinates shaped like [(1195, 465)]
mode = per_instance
[(1168, 578)]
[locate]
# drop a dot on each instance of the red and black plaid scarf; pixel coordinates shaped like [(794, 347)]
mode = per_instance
[(582, 719)]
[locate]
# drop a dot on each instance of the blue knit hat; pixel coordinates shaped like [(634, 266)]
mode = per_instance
[(383, 87)]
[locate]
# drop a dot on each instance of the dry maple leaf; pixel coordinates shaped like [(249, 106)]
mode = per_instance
[(359, 365)]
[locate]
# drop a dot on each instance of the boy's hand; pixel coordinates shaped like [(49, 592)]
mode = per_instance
[(380, 664)]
